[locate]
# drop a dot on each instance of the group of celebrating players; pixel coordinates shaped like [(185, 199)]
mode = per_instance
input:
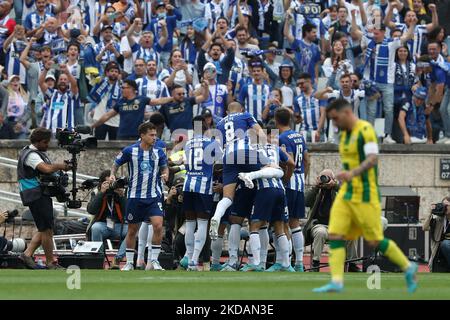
[(263, 180)]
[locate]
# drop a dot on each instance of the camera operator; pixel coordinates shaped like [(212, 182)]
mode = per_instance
[(438, 223), (320, 199), (33, 164), (108, 207)]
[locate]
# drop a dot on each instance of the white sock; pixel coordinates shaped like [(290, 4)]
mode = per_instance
[(290, 248), (298, 241), (189, 238), (156, 249), (264, 239), (200, 239), (149, 242), (283, 244), (266, 173), (130, 255), (255, 245), (142, 241), (250, 253), (216, 249), (222, 206), (277, 248), (234, 238)]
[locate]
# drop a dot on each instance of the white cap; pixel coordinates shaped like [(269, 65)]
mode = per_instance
[(209, 65), (50, 76), (11, 77)]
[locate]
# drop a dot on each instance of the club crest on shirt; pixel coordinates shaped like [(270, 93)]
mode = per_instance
[(145, 166), (130, 216)]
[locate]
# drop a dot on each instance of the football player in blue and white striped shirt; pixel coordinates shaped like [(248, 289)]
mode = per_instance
[(240, 156), (270, 206), (63, 99), (420, 31), (201, 152), (253, 96), (147, 165), (296, 147)]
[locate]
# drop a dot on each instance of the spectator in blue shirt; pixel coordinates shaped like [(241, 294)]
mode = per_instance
[(156, 27), (131, 109), (414, 119), (307, 53), (179, 112)]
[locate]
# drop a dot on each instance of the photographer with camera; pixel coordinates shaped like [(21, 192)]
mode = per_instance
[(108, 207), (16, 245), (438, 223), (32, 166), (320, 199)]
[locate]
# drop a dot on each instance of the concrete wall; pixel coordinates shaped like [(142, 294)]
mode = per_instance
[(400, 165)]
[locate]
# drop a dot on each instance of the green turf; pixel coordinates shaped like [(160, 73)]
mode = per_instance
[(103, 284)]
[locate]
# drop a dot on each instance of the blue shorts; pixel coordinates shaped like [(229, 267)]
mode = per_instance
[(231, 171), (296, 203), (140, 210), (243, 202), (197, 202), (270, 205)]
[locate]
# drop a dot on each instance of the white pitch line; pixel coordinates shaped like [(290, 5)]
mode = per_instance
[(234, 278)]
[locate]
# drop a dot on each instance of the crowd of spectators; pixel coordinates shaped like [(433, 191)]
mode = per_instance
[(71, 63)]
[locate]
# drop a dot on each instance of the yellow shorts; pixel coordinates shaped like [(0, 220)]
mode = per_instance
[(352, 220)]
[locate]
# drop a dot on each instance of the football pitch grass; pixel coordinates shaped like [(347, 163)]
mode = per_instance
[(181, 285)]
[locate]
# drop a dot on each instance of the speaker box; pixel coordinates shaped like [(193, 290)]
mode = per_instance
[(83, 261), (402, 209), (411, 239), (382, 262)]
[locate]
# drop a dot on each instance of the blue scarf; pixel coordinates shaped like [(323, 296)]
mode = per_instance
[(415, 121), (380, 74), (189, 51), (113, 92)]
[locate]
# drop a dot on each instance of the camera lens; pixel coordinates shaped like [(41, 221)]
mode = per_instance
[(324, 179)]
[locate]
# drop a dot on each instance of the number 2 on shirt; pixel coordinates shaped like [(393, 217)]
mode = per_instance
[(198, 158)]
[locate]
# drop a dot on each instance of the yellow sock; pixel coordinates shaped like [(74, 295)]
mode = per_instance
[(337, 260), (390, 249)]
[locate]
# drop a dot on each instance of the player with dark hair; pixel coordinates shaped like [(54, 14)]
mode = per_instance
[(356, 210)]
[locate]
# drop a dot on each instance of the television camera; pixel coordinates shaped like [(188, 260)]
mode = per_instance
[(56, 184)]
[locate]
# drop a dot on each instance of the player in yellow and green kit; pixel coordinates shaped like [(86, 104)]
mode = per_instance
[(356, 210)]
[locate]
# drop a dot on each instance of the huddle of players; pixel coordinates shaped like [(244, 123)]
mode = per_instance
[(263, 181)]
